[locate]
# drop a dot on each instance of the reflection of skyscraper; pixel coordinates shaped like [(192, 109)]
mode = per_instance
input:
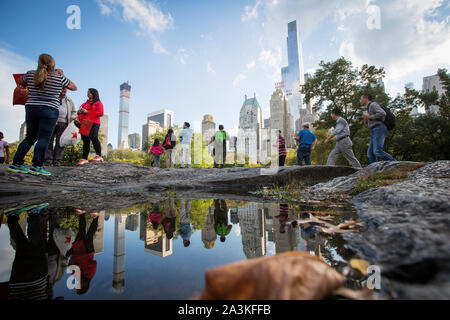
[(99, 235), (155, 241), (124, 114), (251, 221), (119, 252), (234, 218), (132, 221), (209, 235), (292, 75)]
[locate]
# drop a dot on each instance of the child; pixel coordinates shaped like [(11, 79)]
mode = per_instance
[(156, 150)]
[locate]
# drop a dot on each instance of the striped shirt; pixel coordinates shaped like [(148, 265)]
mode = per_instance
[(281, 146), (50, 96), (33, 290)]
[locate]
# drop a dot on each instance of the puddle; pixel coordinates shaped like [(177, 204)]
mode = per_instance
[(162, 250)]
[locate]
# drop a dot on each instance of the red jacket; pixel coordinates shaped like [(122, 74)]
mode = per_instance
[(86, 262), (156, 150), (95, 111)]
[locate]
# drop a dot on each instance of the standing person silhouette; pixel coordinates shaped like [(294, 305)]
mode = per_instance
[(41, 113)]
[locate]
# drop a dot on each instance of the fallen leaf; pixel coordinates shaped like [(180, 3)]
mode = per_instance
[(360, 265), (288, 276)]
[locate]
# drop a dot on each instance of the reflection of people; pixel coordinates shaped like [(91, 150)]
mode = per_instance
[(29, 274), (156, 216), (310, 236), (169, 220), (185, 224), (55, 257), (221, 225), (82, 251), (283, 217), (209, 235)]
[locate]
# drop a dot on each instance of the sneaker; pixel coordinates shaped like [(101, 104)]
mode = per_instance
[(81, 162), (13, 211), (36, 209), (20, 169), (39, 171), (94, 214), (97, 159), (79, 212)]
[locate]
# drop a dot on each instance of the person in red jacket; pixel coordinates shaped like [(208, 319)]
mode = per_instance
[(82, 252), (92, 111), (156, 150)]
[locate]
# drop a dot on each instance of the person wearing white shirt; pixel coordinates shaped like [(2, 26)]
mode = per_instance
[(185, 145)]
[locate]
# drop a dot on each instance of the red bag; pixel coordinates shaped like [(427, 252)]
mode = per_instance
[(167, 143), (86, 127), (20, 95)]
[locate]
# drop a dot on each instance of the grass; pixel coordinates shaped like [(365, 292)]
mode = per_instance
[(289, 193), (384, 178)]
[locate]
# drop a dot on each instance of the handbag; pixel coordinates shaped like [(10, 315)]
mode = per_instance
[(20, 95), (86, 127)]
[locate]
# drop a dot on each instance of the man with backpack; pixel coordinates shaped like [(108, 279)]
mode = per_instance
[(170, 141), (220, 147), (379, 121)]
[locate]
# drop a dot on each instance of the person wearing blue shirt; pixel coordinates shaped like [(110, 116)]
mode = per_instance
[(306, 143)]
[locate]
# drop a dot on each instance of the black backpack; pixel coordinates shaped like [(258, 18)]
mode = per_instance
[(389, 120)]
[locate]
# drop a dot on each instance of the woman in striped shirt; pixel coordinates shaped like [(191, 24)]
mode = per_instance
[(41, 112)]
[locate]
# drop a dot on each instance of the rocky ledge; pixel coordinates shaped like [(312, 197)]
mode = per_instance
[(407, 228), (118, 184)]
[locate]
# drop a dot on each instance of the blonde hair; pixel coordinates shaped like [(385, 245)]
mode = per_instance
[(46, 65)]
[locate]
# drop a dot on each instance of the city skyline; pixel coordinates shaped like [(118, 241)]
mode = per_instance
[(208, 67)]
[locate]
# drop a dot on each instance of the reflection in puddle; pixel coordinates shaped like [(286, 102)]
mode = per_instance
[(154, 251)]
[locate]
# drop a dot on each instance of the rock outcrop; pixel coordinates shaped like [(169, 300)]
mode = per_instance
[(407, 233)]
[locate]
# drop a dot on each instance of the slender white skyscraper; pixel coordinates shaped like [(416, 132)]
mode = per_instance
[(124, 114), (293, 75)]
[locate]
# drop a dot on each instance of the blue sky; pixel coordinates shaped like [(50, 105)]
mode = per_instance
[(197, 57)]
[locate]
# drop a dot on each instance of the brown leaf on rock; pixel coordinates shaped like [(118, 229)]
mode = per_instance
[(288, 276)]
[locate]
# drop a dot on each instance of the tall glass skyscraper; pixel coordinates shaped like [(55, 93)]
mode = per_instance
[(293, 75), (124, 114)]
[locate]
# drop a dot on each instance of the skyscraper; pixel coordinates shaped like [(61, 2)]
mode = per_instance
[(104, 133), (124, 113), (430, 84), (280, 116), (134, 141), (292, 76), (163, 116), (208, 131), (250, 126)]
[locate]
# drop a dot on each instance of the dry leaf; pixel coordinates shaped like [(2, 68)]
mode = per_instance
[(360, 265), (288, 276)]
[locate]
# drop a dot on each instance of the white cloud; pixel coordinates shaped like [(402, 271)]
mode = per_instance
[(182, 55), (251, 12), (409, 46), (146, 14), (238, 79), (209, 68), (271, 60), (12, 116)]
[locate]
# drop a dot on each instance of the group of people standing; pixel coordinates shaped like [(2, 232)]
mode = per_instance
[(374, 118), (48, 111), (219, 139)]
